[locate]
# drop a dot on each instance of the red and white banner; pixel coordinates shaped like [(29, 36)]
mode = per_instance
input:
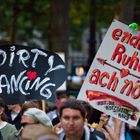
[(112, 84)]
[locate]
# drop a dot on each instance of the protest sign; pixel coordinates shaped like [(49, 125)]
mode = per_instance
[(63, 87), (112, 84), (29, 73)]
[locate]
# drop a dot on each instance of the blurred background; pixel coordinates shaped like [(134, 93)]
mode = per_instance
[(74, 28)]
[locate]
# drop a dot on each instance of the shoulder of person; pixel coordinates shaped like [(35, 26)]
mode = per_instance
[(15, 136), (1, 138), (93, 133), (99, 135), (11, 126)]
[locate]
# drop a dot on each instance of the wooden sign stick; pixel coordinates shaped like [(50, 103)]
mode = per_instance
[(43, 105)]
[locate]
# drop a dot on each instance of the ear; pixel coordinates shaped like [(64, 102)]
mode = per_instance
[(58, 114), (1, 110), (86, 121), (86, 116)]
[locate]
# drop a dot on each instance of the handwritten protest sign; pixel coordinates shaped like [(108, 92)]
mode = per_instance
[(29, 73), (63, 87), (112, 84)]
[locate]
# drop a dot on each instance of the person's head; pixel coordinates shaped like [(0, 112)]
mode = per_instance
[(29, 104), (34, 116), (62, 96), (72, 115), (88, 109), (38, 132), (2, 110), (14, 107)]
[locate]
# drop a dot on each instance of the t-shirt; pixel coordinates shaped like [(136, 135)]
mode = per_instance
[(7, 129)]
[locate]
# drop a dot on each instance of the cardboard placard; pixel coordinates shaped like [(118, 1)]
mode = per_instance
[(112, 84), (29, 73)]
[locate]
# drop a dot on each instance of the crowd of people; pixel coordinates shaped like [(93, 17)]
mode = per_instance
[(72, 119)]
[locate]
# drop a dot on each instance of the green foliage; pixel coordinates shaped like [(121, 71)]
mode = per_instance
[(79, 17), (30, 15), (78, 21), (35, 15)]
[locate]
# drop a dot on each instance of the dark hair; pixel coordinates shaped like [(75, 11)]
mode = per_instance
[(55, 121), (29, 104), (88, 109), (3, 105), (73, 104), (62, 94)]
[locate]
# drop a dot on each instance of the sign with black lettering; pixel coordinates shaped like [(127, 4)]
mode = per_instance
[(29, 73)]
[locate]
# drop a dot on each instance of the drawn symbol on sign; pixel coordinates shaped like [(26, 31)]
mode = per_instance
[(31, 74)]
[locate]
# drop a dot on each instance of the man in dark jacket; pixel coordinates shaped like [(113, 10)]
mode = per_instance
[(1, 138), (14, 114), (72, 115)]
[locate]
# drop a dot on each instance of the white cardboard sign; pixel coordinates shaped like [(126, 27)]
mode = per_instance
[(112, 84)]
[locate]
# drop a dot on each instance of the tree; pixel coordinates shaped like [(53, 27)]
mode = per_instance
[(58, 28), (20, 18), (92, 25), (127, 11)]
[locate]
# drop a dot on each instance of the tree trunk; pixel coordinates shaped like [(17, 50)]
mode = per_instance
[(58, 29), (92, 38), (13, 28), (127, 11)]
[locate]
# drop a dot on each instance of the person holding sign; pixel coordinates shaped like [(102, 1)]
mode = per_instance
[(72, 115), (113, 128)]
